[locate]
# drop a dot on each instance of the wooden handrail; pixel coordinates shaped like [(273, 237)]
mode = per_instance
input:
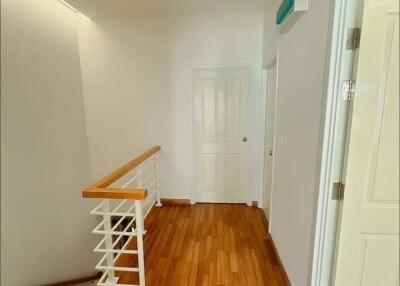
[(126, 194), (100, 190), (115, 175)]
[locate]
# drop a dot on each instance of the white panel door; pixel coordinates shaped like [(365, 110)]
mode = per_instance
[(269, 137), (222, 134), (368, 247)]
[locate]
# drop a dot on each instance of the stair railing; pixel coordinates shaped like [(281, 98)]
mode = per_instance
[(121, 211)]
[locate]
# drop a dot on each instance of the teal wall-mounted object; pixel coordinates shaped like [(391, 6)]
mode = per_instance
[(284, 11), (289, 7)]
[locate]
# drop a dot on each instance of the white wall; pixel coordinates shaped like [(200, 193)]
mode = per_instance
[(301, 92), (137, 78), (45, 225)]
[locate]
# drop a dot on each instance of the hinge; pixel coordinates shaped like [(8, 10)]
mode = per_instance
[(338, 191), (348, 89), (353, 38)]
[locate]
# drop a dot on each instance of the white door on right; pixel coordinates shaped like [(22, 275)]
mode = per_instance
[(368, 246)]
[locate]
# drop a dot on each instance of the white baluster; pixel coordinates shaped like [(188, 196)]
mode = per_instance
[(108, 241), (139, 175), (139, 237)]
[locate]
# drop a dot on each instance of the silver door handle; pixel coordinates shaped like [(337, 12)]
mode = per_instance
[(244, 139)]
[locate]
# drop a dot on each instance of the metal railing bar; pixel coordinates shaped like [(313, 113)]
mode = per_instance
[(152, 176), (118, 223), (99, 225), (102, 278), (100, 244), (130, 218), (122, 218), (97, 208), (127, 213), (150, 200), (124, 233), (148, 211), (124, 269), (148, 185), (123, 248), (121, 171), (101, 260), (119, 206), (115, 214), (98, 247), (150, 169), (129, 182), (125, 229), (102, 250), (114, 283)]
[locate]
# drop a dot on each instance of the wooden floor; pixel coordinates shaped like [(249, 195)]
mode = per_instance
[(207, 244)]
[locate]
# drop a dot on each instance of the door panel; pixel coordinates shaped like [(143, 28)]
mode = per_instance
[(369, 233), (209, 110), (232, 173), (232, 120), (376, 249), (221, 123), (209, 164)]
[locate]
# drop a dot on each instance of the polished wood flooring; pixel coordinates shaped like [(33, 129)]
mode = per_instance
[(207, 244)]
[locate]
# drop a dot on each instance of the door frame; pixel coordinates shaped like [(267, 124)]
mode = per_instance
[(254, 121), (324, 251), (273, 63)]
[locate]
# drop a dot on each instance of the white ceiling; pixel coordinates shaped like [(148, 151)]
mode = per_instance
[(115, 8)]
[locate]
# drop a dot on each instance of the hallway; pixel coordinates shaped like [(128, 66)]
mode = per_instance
[(207, 244)]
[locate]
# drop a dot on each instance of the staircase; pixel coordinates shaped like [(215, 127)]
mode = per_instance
[(126, 197)]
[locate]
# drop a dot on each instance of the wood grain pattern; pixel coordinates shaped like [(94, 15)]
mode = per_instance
[(118, 194), (206, 244)]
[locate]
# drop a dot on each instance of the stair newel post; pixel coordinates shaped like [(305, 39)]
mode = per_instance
[(108, 240)]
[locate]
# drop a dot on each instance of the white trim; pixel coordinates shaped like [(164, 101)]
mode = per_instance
[(324, 241), (257, 109), (273, 63), (275, 128), (328, 142), (255, 105), (263, 113)]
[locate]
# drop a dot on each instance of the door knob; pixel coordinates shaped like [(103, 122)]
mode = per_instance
[(270, 153), (244, 139)]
